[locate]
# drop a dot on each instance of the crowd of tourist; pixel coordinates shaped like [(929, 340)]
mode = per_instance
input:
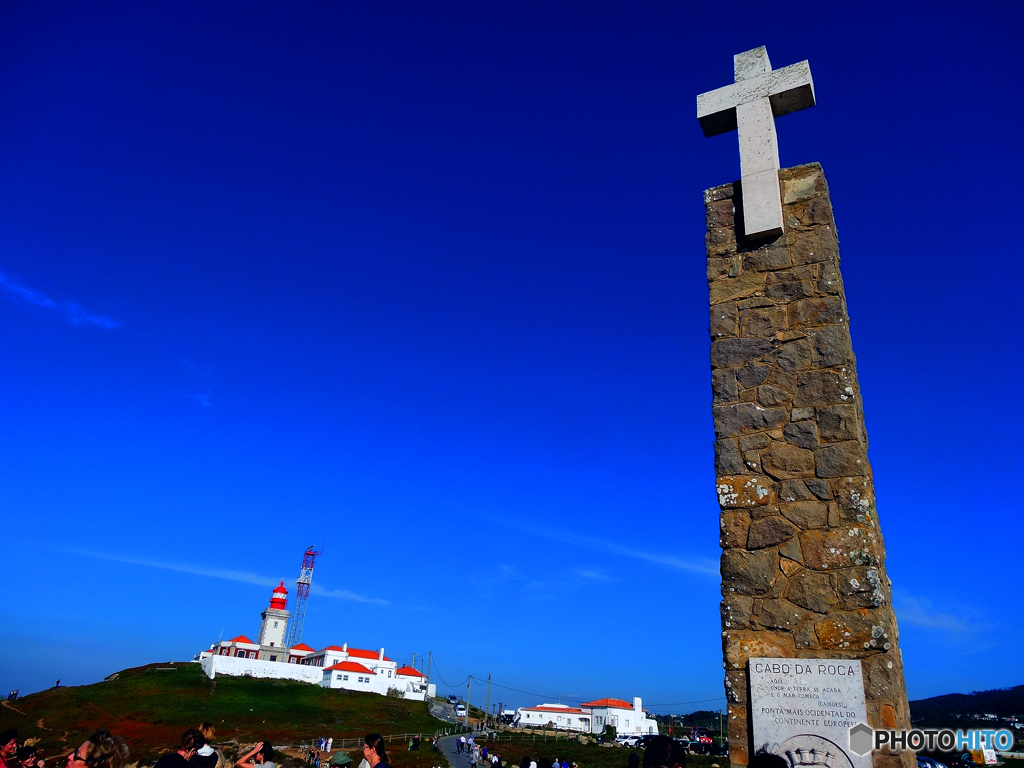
[(195, 750), (660, 752)]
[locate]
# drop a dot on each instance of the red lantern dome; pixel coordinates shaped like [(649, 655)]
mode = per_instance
[(280, 597)]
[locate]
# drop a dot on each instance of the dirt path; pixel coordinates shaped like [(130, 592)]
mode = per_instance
[(7, 704)]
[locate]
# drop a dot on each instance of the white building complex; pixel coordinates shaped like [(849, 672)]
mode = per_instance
[(590, 717), (354, 669)]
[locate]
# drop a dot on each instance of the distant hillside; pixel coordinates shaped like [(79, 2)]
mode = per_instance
[(151, 706), (953, 708)]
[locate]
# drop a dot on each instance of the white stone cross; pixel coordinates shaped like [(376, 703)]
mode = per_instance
[(750, 106)]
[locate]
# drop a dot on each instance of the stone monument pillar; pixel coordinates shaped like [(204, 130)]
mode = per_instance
[(803, 562)]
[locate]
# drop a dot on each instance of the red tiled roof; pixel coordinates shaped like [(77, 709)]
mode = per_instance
[(302, 647), (358, 652), (241, 639), (365, 654), (351, 666), (409, 671), (569, 710), (613, 703)]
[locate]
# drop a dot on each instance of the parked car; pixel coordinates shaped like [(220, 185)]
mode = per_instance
[(453, 699), (627, 739), (460, 710)]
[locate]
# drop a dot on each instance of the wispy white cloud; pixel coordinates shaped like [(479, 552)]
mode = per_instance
[(701, 565), (922, 612), (244, 577), (71, 312), (556, 583), (344, 594), (201, 377)]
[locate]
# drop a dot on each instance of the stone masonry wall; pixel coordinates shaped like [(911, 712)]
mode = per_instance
[(803, 562)]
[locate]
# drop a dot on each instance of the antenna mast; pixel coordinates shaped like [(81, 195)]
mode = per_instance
[(301, 596)]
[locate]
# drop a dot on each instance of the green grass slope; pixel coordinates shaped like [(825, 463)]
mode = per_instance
[(150, 707)]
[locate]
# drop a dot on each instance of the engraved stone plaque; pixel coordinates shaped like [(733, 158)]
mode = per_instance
[(803, 710)]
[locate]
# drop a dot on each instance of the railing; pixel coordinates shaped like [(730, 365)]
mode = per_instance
[(494, 733), (344, 744)]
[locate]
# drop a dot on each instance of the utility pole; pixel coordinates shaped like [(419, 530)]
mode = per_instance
[(487, 706), (469, 687), (430, 663)]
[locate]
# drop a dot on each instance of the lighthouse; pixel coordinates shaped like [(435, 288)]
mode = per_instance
[(274, 628)]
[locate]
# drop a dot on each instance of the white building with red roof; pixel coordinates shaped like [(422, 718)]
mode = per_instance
[(335, 666), (554, 715), (590, 717)]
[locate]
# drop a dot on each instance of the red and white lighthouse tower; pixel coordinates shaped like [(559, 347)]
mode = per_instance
[(274, 628)]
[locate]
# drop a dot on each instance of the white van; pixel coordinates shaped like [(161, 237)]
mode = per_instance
[(460, 710)]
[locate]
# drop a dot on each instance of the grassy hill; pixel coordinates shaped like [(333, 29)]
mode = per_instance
[(151, 706), (960, 709)]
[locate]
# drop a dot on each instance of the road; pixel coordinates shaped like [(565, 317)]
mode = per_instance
[(449, 750)]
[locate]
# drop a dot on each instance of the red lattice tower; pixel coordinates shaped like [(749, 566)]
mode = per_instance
[(301, 596)]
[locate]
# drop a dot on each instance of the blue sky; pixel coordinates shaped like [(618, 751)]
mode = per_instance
[(425, 287)]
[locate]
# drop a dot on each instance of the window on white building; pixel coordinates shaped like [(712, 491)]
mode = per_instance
[(271, 644), (274, 658), (345, 677), (614, 719), (627, 723), (389, 673), (559, 718)]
